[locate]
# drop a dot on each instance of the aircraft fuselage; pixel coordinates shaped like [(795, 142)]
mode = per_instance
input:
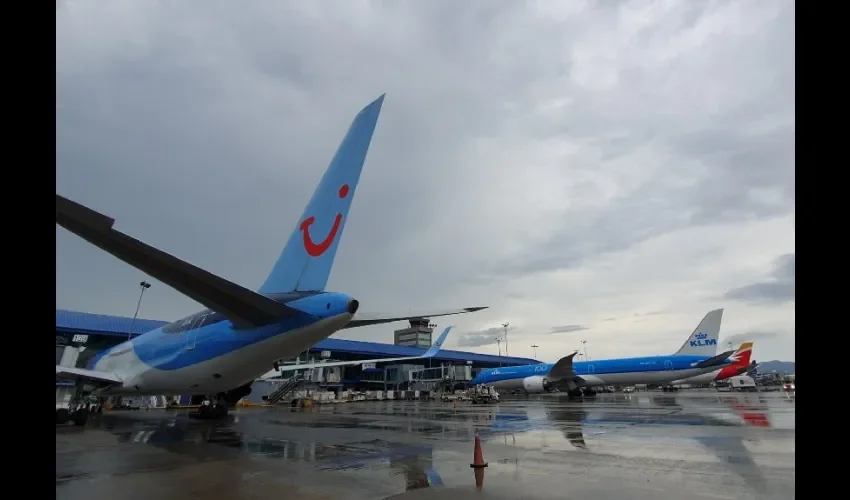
[(205, 354), (626, 371)]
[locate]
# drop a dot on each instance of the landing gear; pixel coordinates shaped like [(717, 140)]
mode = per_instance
[(77, 411), (211, 411), (218, 408), (574, 394)]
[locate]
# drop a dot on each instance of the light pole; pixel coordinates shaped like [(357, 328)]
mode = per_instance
[(584, 343), (506, 324), (430, 339), (144, 285), (535, 350), (499, 344)]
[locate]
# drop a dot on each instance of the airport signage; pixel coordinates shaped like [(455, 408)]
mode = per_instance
[(80, 339), (366, 366)]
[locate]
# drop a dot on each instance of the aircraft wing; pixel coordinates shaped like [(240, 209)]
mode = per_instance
[(714, 360), (367, 319), (430, 353), (562, 369), (244, 308), (68, 373)]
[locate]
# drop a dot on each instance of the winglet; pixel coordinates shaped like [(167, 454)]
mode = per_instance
[(436, 346)]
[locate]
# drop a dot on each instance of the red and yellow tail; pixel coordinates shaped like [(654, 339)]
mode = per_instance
[(742, 355)]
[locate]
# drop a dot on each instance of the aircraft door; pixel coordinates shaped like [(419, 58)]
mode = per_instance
[(668, 365), (591, 369)]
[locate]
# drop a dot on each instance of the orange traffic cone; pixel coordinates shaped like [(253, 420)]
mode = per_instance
[(478, 456), (479, 477)]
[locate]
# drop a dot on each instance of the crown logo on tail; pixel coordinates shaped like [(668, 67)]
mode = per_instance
[(701, 336)]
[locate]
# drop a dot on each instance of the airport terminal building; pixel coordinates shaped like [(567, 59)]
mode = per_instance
[(80, 335)]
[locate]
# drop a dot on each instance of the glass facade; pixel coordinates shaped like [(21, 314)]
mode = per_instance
[(418, 334)]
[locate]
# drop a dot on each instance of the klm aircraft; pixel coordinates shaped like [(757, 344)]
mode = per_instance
[(697, 355), (220, 351)]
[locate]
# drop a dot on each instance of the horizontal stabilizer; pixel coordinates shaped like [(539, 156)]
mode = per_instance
[(430, 353), (68, 373), (241, 306), (718, 360), (563, 368), (368, 319)]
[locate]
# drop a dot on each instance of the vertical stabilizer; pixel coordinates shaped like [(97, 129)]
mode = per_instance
[(703, 341), (742, 356), (306, 261)]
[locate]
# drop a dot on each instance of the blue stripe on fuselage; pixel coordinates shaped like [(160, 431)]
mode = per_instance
[(168, 351), (600, 367)]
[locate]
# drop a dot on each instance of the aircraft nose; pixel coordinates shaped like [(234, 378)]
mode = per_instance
[(353, 305)]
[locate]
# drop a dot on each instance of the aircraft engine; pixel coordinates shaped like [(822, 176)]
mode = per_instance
[(535, 384)]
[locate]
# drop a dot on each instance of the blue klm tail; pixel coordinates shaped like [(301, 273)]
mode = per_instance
[(703, 341), (306, 261)]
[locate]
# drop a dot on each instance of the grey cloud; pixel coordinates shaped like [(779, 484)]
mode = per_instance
[(514, 139), (778, 288), (738, 338), (653, 313), (482, 337), (567, 329), (728, 168)]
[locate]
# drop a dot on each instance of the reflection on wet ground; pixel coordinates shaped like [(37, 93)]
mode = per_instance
[(699, 445)]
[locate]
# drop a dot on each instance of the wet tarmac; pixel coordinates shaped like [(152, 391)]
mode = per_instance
[(646, 445)]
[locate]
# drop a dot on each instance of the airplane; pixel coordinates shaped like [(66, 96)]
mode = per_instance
[(696, 356), (221, 351), (740, 364), (430, 353)]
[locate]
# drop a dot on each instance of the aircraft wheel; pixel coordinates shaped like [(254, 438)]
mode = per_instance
[(81, 417), (62, 415)]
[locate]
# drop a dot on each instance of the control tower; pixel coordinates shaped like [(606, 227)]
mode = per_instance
[(418, 334)]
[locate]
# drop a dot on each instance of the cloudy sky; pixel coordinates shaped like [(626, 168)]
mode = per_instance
[(599, 171)]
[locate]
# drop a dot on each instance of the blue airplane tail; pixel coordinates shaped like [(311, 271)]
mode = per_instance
[(306, 261), (703, 341)]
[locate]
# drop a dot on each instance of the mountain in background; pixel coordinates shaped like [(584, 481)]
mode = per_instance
[(778, 366)]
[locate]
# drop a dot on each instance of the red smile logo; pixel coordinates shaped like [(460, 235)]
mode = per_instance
[(317, 249)]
